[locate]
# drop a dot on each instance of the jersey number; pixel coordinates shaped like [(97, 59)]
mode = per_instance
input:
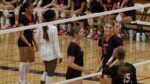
[(127, 78)]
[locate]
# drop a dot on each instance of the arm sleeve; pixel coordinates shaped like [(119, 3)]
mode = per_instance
[(56, 43)]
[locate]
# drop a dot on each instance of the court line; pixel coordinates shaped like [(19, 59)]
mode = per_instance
[(55, 74), (145, 78)]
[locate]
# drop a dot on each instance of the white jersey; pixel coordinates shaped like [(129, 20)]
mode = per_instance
[(49, 50)]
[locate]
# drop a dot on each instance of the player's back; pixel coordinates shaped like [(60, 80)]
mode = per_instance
[(128, 76)]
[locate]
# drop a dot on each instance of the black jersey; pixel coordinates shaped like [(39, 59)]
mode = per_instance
[(45, 2), (131, 13), (27, 33), (96, 6), (75, 50), (120, 39), (129, 74), (108, 47), (62, 2), (128, 4), (109, 4), (77, 4)]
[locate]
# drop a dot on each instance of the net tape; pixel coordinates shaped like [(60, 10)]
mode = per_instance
[(74, 19), (95, 74)]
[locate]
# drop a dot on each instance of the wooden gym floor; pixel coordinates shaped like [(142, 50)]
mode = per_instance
[(137, 52), (9, 59)]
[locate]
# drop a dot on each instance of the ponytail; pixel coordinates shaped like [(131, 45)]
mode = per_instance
[(121, 69), (45, 33), (120, 52)]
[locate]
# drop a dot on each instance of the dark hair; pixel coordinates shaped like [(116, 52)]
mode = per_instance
[(24, 6), (49, 15), (45, 33), (120, 52)]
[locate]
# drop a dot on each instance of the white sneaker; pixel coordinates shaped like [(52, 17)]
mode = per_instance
[(21, 82), (90, 35), (18, 82), (6, 26)]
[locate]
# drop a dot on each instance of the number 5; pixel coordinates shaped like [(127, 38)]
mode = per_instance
[(127, 78)]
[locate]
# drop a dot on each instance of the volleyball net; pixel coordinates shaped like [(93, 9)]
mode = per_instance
[(137, 52)]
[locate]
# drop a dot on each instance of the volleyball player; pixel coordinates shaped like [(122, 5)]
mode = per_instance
[(41, 7), (64, 9), (75, 57), (108, 6), (26, 43), (49, 47), (127, 16), (95, 6), (117, 29), (124, 72), (7, 5), (107, 44)]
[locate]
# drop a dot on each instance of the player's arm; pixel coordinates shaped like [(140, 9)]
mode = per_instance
[(35, 43), (53, 3), (71, 64), (5, 2), (105, 8), (124, 3), (114, 6), (23, 38), (79, 11), (68, 5)]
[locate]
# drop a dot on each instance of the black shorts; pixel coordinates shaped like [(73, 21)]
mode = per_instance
[(23, 44), (73, 74), (70, 76), (131, 13)]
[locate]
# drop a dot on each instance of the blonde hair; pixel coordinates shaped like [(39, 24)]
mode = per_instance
[(75, 30)]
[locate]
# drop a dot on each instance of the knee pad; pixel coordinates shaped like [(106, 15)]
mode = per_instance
[(16, 11), (62, 15), (90, 22), (99, 21), (73, 15)]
